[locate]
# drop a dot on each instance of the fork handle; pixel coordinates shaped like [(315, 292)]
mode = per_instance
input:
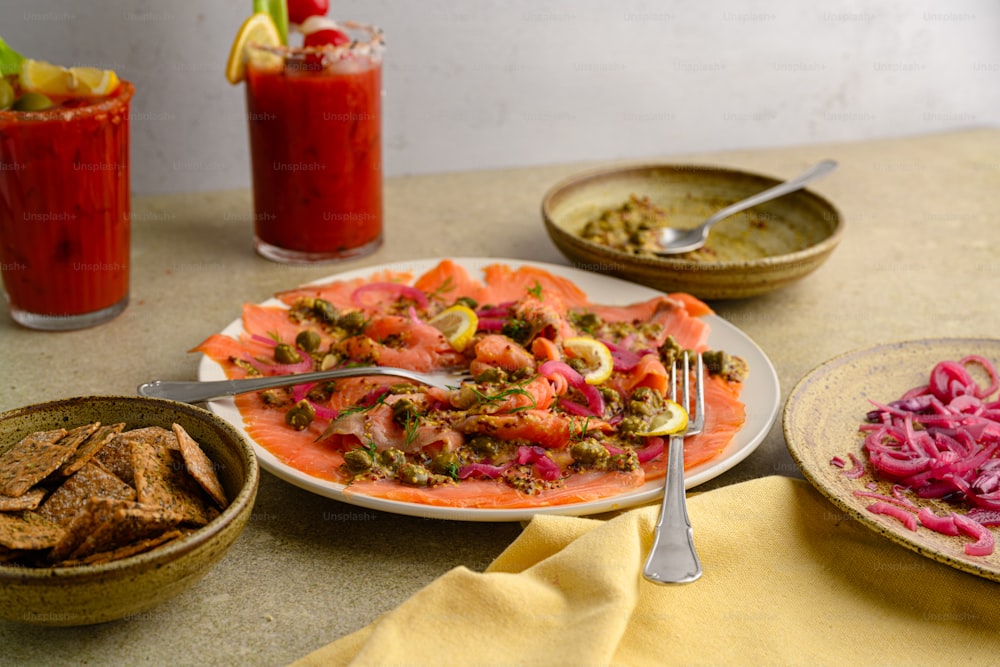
[(673, 559), (195, 392)]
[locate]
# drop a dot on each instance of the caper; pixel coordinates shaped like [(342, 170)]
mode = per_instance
[(630, 425), (404, 411), (587, 321), (358, 460), (612, 399), (300, 415), (522, 373), (518, 330), (392, 458), (445, 463), (465, 397), (645, 402), (718, 362), (32, 102), (492, 375), (308, 340), (588, 452), (6, 94), (578, 364), (466, 301), (642, 409), (286, 354), (352, 322), (325, 311), (413, 474), (274, 397), (670, 351), (484, 445)]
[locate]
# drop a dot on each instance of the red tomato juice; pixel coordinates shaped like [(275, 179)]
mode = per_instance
[(64, 211), (316, 151)]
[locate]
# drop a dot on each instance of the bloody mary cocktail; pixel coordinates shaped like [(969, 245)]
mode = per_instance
[(64, 211), (315, 118)]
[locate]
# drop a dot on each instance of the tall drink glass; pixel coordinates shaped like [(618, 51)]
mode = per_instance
[(64, 211), (315, 119)]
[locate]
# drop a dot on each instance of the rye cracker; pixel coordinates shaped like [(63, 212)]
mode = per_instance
[(162, 480), (97, 511), (30, 461), (138, 547), (127, 525), (28, 530), (73, 494), (200, 466), (75, 436), (89, 447), (29, 500), (116, 455)]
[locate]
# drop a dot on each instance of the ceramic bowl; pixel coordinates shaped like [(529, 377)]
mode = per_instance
[(87, 594), (754, 252)]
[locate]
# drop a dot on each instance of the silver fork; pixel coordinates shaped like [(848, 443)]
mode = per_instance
[(195, 392), (673, 559)]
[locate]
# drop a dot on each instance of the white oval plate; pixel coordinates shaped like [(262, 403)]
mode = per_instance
[(761, 395)]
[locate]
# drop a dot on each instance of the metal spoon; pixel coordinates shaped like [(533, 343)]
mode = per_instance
[(673, 241)]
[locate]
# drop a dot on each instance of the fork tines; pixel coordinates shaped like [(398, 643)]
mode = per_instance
[(681, 374)]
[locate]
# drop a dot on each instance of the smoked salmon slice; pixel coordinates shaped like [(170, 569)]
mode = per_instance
[(465, 447)]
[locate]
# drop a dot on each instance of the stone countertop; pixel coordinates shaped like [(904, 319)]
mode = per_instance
[(918, 260)]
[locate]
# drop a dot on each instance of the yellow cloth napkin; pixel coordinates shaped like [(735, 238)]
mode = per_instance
[(789, 579)]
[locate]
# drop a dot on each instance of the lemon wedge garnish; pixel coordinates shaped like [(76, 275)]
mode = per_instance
[(595, 355), (93, 81), (458, 324), (259, 29), (38, 76), (673, 418), (42, 77)]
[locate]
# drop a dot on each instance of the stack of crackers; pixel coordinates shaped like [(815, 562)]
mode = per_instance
[(98, 493)]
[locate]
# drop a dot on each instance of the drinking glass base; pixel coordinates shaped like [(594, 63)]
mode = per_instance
[(67, 322), (276, 254)]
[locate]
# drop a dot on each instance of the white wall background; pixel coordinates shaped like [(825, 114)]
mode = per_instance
[(475, 84)]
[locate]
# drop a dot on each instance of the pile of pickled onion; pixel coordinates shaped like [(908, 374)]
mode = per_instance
[(940, 440)]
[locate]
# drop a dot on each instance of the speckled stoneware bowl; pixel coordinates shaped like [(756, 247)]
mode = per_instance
[(88, 594), (768, 247), (821, 420)]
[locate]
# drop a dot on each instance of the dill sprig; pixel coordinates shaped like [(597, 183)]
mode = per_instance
[(516, 390)]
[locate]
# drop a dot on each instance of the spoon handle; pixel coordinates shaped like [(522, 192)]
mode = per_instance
[(812, 173)]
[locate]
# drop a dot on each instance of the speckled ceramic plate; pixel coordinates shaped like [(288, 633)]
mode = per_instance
[(821, 420), (761, 395)]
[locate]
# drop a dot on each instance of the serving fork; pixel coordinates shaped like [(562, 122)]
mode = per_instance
[(195, 392), (673, 559)]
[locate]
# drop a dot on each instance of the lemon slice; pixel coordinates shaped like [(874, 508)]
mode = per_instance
[(458, 324), (38, 76), (93, 81), (595, 354), (259, 29), (672, 419)]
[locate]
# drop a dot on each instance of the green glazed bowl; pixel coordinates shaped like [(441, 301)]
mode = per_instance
[(88, 594)]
